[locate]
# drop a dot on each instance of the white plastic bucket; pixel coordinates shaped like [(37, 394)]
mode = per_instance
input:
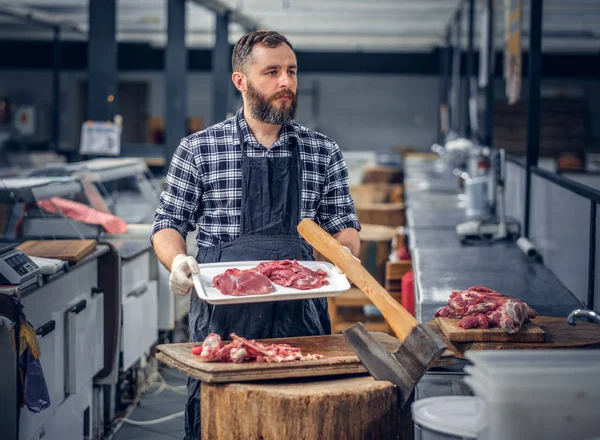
[(449, 417)]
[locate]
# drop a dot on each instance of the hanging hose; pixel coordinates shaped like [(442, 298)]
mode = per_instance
[(153, 379), (154, 421)]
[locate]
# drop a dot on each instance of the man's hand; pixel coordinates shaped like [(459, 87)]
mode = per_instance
[(340, 271), (180, 280)]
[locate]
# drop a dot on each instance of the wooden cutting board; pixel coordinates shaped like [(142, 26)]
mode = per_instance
[(530, 332), (339, 360), (69, 250), (559, 334)]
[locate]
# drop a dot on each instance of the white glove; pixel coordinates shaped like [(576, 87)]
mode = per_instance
[(340, 271), (180, 280)]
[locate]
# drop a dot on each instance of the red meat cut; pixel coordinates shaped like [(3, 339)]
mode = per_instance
[(257, 281), (242, 349), (238, 282), (482, 307), (292, 274)]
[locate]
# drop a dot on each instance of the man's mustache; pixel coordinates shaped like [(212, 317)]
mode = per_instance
[(284, 94)]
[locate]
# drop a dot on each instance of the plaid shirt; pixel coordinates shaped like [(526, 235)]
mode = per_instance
[(204, 183)]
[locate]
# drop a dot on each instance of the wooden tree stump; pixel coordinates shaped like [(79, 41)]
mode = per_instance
[(354, 408)]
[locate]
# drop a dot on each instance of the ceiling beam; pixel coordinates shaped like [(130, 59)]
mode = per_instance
[(235, 16), (28, 15)]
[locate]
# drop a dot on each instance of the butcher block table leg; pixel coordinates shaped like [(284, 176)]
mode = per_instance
[(350, 408)]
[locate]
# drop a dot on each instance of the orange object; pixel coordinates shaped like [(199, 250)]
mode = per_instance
[(83, 213), (408, 292)]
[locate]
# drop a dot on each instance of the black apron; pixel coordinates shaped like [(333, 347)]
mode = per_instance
[(270, 213)]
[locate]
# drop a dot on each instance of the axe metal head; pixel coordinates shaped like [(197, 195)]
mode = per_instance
[(405, 366)]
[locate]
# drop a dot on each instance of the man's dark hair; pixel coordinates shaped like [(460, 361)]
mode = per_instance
[(242, 52)]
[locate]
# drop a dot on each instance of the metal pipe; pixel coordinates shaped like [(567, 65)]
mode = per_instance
[(448, 79), (175, 79), (592, 257), (448, 72), (571, 185), (456, 77), (583, 314), (102, 87), (56, 90), (489, 90), (221, 73), (533, 108), (443, 90), (470, 69)]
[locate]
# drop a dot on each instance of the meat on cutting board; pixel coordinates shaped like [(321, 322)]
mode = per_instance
[(238, 282), (241, 349), (292, 274), (258, 280), (482, 307)]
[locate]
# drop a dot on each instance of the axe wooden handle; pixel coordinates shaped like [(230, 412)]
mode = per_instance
[(399, 319)]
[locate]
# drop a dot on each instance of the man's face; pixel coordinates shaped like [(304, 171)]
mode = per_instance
[(272, 84)]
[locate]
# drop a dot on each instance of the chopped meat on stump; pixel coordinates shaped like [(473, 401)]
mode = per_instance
[(482, 307), (241, 349)]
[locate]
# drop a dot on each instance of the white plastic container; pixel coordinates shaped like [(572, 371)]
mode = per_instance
[(449, 417), (560, 379), (532, 360), (546, 395)]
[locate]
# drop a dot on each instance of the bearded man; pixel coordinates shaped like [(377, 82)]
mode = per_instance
[(246, 183)]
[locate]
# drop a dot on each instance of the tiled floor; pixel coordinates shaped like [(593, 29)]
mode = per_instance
[(154, 407)]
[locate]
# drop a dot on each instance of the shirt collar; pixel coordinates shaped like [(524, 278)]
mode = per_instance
[(287, 131)]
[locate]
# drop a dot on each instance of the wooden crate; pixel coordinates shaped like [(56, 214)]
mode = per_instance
[(403, 149), (386, 214), (422, 156), (394, 271), (564, 126), (375, 249), (379, 173), (351, 303), (377, 193)]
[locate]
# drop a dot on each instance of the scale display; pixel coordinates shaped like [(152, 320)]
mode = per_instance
[(15, 266)]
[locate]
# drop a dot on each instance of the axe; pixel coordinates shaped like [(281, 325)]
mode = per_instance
[(419, 347)]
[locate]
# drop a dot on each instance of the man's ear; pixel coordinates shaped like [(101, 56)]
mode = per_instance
[(239, 81)]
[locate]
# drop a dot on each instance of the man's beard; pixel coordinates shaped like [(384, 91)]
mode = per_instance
[(264, 110)]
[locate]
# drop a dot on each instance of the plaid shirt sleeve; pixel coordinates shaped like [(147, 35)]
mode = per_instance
[(336, 210), (181, 196)]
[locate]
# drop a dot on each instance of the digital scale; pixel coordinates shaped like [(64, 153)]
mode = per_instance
[(493, 228), (16, 268)]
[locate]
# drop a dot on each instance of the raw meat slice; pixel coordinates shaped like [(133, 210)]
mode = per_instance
[(257, 281), (238, 282), (478, 320), (482, 307), (513, 314), (242, 349), (292, 274), (210, 348)]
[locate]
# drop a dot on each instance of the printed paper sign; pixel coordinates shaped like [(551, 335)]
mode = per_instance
[(512, 51), (100, 138)]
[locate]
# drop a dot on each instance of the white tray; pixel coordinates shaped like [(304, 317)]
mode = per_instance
[(205, 290)]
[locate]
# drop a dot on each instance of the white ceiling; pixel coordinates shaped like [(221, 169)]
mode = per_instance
[(327, 25)]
